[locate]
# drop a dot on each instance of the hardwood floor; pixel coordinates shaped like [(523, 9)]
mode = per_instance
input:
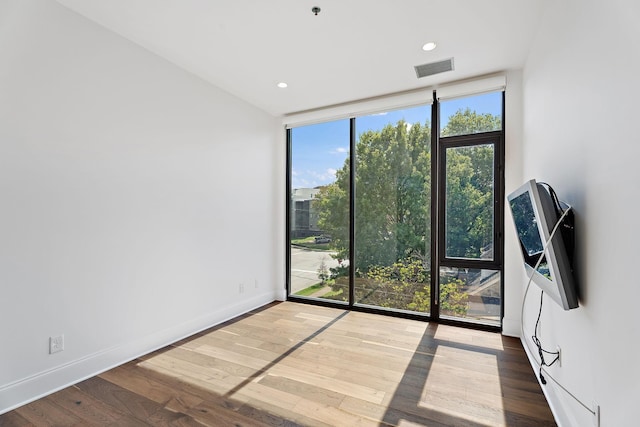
[(293, 364)]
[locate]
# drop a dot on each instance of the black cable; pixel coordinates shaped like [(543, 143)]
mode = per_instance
[(538, 343), (561, 213), (524, 299), (536, 340)]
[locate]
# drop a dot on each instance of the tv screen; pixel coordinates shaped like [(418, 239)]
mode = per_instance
[(535, 213)]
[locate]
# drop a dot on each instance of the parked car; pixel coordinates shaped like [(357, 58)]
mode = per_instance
[(322, 239)]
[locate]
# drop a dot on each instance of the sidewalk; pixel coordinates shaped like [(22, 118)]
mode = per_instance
[(320, 292)]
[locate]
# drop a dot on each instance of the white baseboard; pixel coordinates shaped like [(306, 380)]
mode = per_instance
[(511, 327), (567, 412), (281, 295), (41, 384)]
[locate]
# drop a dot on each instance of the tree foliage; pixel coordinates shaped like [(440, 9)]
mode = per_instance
[(465, 122), (405, 284), (392, 197), (393, 206), (469, 200)]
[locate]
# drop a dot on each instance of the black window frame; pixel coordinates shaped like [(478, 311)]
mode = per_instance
[(438, 260), (496, 139)]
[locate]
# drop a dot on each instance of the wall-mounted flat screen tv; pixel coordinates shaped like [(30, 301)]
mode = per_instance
[(536, 210)]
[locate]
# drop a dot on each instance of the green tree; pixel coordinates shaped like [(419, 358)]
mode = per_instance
[(392, 202), (332, 205), (469, 172), (405, 284), (453, 301), (469, 200), (465, 122), (323, 271), (392, 212)]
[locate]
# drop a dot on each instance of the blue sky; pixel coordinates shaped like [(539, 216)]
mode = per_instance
[(318, 151)]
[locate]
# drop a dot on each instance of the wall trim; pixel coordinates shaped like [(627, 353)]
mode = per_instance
[(511, 327), (36, 386), (551, 401), (565, 409)]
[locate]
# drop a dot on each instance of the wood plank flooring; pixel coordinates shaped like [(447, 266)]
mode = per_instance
[(291, 364)]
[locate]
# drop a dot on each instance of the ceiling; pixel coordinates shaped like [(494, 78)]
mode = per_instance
[(352, 50)]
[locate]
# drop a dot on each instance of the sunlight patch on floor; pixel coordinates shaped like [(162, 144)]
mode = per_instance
[(469, 384)]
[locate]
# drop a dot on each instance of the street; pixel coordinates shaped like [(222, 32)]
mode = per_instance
[(305, 264)]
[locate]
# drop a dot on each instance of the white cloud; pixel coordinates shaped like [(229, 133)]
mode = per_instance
[(340, 150), (323, 177), (313, 178), (301, 183)]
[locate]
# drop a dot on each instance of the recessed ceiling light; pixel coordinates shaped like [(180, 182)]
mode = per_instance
[(282, 85), (429, 46)]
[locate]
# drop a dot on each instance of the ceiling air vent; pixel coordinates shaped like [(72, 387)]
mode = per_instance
[(432, 68)]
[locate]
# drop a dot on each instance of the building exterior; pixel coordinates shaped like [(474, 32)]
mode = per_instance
[(304, 216)]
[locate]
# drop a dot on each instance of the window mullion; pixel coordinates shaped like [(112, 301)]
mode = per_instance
[(352, 209)]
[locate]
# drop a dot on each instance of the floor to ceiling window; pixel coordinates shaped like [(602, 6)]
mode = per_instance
[(392, 258), (319, 203), (390, 213)]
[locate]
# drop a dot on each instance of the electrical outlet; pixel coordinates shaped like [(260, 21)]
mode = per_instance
[(241, 288), (559, 356), (56, 344), (255, 282), (596, 415)]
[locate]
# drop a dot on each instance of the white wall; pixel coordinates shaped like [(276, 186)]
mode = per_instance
[(513, 178), (581, 97), (135, 198)]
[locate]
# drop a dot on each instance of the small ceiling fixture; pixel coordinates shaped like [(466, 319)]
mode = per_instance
[(429, 46), (315, 10), (282, 85)]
